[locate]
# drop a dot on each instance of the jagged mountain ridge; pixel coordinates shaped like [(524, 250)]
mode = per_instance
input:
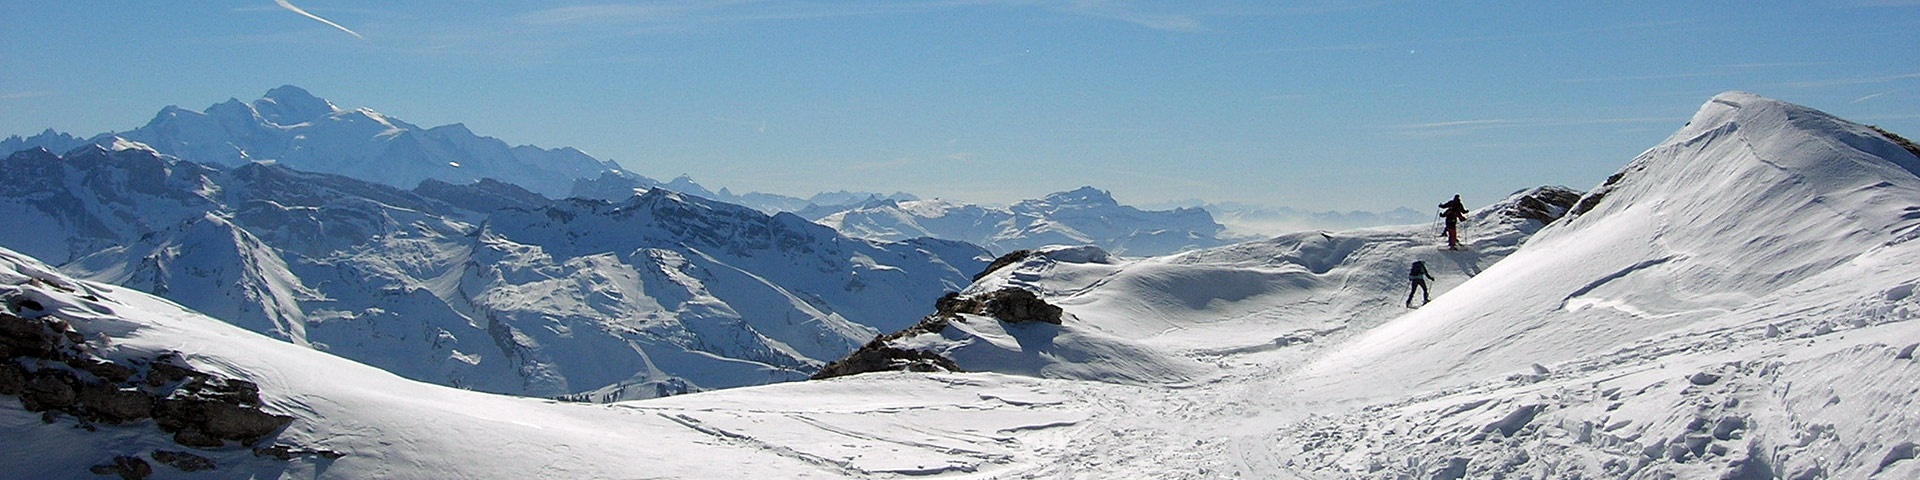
[(1084, 216), (485, 286), (48, 139), (292, 126)]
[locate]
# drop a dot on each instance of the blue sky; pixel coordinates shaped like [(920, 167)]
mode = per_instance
[(1312, 104)]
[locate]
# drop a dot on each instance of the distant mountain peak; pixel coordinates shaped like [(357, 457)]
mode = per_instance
[(291, 105), (1085, 216), (292, 126), (50, 140), (1086, 195)]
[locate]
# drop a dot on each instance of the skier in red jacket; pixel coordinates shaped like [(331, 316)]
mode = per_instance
[(1454, 212)]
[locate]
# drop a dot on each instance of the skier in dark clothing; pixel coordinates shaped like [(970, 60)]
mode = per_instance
[(1419, 277), (1454, 212)]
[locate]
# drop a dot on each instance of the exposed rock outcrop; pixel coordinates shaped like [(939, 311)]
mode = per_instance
[(1903, 142), (186, 462), (53, 370), (878, 356), (1011, 305), (1545, 204), (127, 467), (1011, 258)]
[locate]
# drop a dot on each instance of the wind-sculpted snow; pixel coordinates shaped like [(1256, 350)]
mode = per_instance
[(485, 286)]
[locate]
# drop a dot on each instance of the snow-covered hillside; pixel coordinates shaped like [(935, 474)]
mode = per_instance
[(1155, 320), (349, 420), (484, 286), (1737, 303), (291, 126), (1086, 216)]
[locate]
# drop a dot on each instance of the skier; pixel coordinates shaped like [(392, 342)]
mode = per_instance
[(1454, 212), (1419, 277)]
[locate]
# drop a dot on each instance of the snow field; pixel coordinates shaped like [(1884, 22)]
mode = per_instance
[(1738, 303)]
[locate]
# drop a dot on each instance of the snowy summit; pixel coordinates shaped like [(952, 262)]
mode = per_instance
[(292, 127)]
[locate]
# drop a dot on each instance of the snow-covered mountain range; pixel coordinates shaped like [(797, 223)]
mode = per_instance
[(485, 286), (1737, 302), (1084, 216), (291, 126), (617, 186)]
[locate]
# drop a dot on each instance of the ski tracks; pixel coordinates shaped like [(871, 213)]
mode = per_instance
[(1009, 427)]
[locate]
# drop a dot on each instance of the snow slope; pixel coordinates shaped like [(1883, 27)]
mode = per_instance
[(1266, 295), (1679, 320), (1753, 196), (389, 427), (1736, 303)]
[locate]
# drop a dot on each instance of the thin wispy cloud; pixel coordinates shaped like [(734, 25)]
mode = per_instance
[(291, 8), (1869, 97), (24, 95), (1852, 81), (1882, 118), (1461, 127), (651, 13), (683, 14), (1344, 47), (1128, 13), (1637, 78), (1774, 65), (1412, 45)]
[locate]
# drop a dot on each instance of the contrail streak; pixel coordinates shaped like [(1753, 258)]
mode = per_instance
[(294, 9)]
